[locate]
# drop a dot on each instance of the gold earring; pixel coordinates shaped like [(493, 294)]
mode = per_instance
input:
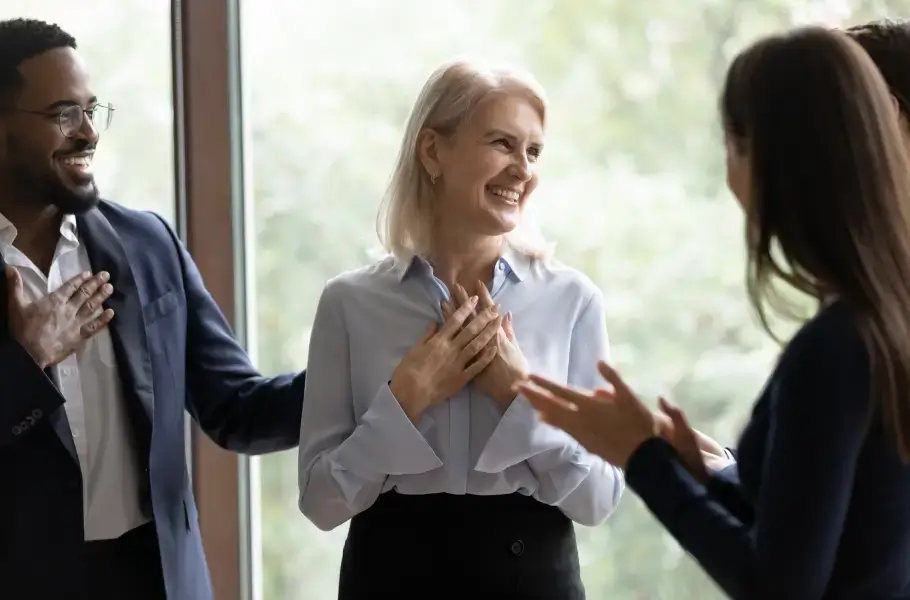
[(432, 179)]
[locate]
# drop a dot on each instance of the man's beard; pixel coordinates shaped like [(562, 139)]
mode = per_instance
[(48, 189), (69, 201)]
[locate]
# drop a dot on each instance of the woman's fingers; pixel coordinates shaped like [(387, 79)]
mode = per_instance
[(563, 391), (544, 400)]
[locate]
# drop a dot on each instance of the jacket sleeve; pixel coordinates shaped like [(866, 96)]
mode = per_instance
[(28, 395)]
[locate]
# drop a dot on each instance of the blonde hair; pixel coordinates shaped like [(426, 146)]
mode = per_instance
[(449, 98)]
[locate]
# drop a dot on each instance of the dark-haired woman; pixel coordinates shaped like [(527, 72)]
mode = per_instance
[(816, 158)]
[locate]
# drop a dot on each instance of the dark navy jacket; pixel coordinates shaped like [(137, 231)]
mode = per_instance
[(818, 507), (174, 351)]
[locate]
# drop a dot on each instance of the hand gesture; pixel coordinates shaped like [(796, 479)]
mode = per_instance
[(685, 440), (509, 366), (52, 328), (609, 423), (443, 361), (713, 454)]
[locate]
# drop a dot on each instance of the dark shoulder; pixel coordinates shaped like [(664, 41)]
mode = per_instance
[(833, 330), (131, 221), (831, 344)]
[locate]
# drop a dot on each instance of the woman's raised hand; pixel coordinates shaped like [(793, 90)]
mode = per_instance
[(445, 359)]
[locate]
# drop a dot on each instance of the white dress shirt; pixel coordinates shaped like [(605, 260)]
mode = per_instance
[(90, 385), (356, 441)]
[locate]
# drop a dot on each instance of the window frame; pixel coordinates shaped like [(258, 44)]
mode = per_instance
[(210, 191)]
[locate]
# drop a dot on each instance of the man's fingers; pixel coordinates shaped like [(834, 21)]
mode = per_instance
[(97, 324), (89, 288), (93, 305), (71, 286), (14, 283)]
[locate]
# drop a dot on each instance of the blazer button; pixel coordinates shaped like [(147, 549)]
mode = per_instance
[(517, 548)]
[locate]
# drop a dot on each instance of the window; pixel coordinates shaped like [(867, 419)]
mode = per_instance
[(127, 46), (632, 190)]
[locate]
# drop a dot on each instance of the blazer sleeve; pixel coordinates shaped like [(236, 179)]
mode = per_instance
[(819, 413), (233, 403), (29, 397), (724, 487)]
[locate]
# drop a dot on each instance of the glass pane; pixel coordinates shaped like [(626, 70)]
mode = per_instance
[(127, 47), (632, 190)]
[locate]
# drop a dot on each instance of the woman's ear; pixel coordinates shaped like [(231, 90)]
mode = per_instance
[(428, 142)]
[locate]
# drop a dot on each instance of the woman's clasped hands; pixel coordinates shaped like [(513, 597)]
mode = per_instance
[(445, 359), (509, 365)]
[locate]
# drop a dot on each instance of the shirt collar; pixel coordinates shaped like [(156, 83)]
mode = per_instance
[(68, 231), (514, 263)]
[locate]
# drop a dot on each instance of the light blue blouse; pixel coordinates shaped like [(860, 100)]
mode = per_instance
[(356, 442)]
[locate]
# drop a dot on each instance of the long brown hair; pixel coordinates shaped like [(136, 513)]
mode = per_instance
[(830, 206)]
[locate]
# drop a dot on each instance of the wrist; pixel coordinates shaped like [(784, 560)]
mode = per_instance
[(505, 399), (35, 355), (507, 395), (407, 399)]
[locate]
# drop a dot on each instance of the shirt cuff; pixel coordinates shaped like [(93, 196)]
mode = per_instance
[(520, 436), (385, 443), (729, 473)]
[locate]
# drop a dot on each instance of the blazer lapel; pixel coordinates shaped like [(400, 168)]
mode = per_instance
[(57, 419), (106, 253)]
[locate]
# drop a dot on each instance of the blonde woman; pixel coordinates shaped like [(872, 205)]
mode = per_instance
[(411, 429)]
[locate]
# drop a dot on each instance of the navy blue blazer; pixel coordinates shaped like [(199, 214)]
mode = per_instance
[(818, 507), (175, 351)]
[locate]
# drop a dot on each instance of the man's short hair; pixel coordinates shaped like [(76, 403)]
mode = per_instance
[(887, 42), (20, 40)]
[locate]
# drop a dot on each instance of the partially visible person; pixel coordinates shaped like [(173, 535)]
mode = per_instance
[(816, 157), (887, 42), (411, 429), (107, 334)]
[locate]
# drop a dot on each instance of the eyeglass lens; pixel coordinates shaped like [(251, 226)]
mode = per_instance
[(71, 118)]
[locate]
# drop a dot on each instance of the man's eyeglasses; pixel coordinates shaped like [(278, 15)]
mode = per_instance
[(71, 118)]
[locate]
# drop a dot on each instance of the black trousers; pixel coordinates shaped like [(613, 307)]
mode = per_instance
[(471, 547), (126, 568)]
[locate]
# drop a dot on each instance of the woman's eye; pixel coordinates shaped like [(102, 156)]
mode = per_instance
[(504, 143)]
